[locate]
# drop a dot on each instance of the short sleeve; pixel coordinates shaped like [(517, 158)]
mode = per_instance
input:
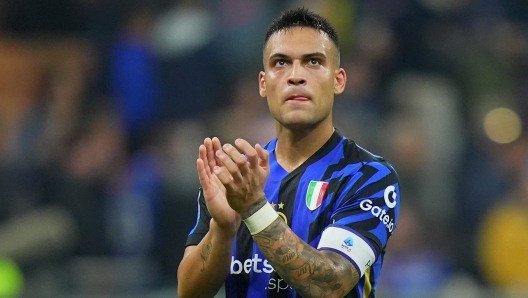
[(202, 222), (365, 215)]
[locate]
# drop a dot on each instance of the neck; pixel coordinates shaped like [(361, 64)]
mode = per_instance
[(294, 147)]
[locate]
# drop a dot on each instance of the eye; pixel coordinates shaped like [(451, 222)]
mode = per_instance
[(280, 62), (314, 61)]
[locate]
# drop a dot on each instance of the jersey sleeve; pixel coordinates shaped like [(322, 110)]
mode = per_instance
[(365, 215), (202, 222)]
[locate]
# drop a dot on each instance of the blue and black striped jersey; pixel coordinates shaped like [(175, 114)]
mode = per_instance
[(343, 198)]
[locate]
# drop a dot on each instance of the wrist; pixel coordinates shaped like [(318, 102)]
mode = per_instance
[(261, 219), (251, 209), (224, 233)]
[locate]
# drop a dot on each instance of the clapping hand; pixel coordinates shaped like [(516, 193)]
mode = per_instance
[(213, 189), (243, 173)]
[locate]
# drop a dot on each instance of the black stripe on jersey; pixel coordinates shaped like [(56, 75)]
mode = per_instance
[(287, 193), (349, 148), (324, 150), (244, 251), (369, 171)]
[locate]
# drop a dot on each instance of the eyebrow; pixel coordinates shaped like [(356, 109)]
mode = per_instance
[(305, 56)]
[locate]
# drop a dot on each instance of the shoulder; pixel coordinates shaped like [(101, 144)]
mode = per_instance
[(366, 160)]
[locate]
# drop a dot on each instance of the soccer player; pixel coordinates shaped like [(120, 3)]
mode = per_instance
[(307, 215)]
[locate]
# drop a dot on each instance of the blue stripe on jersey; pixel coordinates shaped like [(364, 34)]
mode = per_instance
[(382, 172), (352, 168)]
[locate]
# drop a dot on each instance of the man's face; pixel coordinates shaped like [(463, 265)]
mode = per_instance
[(301, 76)]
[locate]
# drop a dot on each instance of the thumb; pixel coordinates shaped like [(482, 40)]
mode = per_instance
[(263, 155)]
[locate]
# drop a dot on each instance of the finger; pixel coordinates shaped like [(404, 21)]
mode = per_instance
[(201, 152), (238, 157), (263, 155), (211, 160), (225, 177), (217, 145), (229, 164), (202, 155), (249, 151), (202, 175)]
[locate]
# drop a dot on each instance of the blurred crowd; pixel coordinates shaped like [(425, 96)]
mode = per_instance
[(103, 104)]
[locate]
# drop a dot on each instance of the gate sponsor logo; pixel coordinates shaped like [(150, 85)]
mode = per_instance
[(390, 200)]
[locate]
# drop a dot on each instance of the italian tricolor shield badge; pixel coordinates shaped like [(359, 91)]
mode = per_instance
[(315, 194)]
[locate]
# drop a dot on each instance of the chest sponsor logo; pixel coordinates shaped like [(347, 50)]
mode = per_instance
[(255, 264), (390, 201), (258, 265), (315, 194)]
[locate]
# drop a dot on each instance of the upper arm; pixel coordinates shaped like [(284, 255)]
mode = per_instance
[(364, 217)]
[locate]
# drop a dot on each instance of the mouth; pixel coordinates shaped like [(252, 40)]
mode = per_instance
[(298, 98)]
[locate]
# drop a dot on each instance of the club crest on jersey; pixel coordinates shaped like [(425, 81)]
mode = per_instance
[(315, 194)]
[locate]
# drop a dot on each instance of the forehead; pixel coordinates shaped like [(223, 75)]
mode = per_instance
[(299, 40)]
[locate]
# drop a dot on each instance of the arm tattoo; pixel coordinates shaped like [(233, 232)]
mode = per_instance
[(206, 252), (312, 273)]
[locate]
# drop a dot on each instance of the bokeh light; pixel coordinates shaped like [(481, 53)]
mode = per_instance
[(11, 279), (502, 125)]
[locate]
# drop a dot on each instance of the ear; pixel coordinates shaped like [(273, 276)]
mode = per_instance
[(340, 81), (262, 84)]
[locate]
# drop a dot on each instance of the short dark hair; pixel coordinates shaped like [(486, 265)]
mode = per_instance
[(302, 17)]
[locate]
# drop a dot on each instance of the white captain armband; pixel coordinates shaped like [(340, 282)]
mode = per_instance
[(349, 244)]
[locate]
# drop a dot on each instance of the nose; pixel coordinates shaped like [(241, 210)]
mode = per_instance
[(296, 77)]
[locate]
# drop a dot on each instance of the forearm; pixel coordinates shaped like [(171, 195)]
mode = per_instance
[(310, 272), (204, 269)]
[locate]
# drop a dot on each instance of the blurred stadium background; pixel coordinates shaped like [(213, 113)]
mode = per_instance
[(103, 104)]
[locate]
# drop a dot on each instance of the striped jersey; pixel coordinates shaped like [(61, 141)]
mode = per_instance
[(343, 198)]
